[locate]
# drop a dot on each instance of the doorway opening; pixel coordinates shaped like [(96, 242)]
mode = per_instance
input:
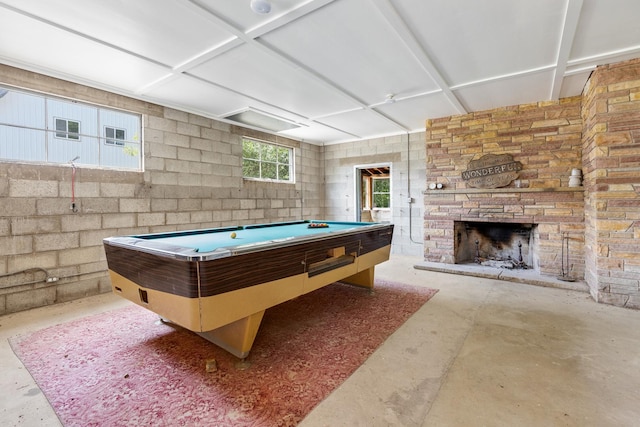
[(373, 193)]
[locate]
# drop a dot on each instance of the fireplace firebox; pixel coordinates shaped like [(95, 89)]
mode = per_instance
[(496, 244)]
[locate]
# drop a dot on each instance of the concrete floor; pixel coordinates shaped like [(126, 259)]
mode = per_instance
[(482, 352)]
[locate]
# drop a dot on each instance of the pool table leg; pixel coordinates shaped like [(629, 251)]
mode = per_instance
[(237, 337), (363, 278)]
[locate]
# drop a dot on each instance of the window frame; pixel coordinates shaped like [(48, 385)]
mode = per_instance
[(114, 141), (49, 119), (67, 134), (277, 164), (368, 193), (373, 192)]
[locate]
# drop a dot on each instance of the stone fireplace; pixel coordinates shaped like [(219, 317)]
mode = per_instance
[(500, 219), (587, 231), (535, 210)]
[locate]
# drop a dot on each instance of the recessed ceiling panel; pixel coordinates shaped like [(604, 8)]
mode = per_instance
[(414, 112), (266, 78), (196, 96), (351, 43), (606, 27), (573, 85), (325, 64), (61, 54), (503, 93), (477, 40), (166, 31), (362, 122), (316, 133)]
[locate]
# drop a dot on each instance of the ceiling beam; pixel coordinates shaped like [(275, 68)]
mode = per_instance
[(569, 27), (252, 37), (401, 28)]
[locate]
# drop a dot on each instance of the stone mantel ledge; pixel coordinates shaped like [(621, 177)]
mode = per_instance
[(502, 190)]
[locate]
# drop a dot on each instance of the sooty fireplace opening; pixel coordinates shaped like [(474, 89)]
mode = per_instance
[(496, 244)]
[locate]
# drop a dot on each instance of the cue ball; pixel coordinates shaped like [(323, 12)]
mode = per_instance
[(233, 235)]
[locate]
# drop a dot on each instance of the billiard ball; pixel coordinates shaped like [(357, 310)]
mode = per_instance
[(233, 235)]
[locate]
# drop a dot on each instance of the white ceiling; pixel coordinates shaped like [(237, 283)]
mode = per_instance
[(327, 65)]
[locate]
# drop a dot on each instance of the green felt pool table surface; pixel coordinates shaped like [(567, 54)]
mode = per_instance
[(218, 238)]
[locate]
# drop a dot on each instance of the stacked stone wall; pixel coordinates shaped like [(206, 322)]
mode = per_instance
[(546, 139), (611, 115)]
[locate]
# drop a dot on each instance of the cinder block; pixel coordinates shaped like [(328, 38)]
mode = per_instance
[(81, 222), (32, 188), (118, 220), (75, 290), (30, 299), (79, 256)]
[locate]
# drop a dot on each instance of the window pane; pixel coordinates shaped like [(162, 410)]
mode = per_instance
[(74, 129), (381, 200), (283, 155), (269, 171), (250, 149), (61, 125), (120, 134), (283, 172), (381, 185), (269, 153), (251, 168)]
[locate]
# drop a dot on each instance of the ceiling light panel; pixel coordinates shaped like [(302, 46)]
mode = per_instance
[(352, 44), (240, 15), (261, 120)]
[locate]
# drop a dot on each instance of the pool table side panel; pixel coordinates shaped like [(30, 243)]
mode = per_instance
[(178, 309), (241, 271), (151, 271), (219, 310), (221, 275), (249, 269), (376, 239)]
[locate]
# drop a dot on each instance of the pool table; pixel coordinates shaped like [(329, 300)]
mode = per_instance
[(218, 282)]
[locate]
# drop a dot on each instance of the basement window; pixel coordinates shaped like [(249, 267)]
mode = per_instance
[(266, 161), (40, 128)]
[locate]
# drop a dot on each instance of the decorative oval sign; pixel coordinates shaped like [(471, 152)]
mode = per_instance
[(492, 171)]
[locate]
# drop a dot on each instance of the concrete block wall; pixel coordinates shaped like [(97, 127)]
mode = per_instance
[(611, 115), (192, 179), (406, 155)]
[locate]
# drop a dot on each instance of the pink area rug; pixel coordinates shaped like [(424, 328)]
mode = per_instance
[(126, 368)]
